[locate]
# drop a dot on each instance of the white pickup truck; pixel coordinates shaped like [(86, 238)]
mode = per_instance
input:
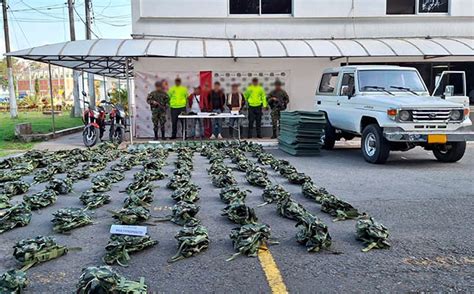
[(392, 110)]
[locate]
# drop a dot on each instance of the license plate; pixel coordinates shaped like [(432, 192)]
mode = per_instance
[(437, 139)]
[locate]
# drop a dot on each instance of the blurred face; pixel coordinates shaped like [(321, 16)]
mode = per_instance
[(277, 87), (255, 82), (177, 82), (217, 87), (235, 89), (158, 87), (197, 91)]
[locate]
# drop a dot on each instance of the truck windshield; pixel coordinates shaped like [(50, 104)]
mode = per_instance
[(392, 80)]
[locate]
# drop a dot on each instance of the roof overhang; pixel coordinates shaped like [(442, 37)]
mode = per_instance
[(108, 56)]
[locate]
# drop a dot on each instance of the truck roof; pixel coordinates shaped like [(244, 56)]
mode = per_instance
[(368, 67)]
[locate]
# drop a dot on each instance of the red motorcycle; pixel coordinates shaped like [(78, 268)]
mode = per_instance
[(118, 123), (94, 122)]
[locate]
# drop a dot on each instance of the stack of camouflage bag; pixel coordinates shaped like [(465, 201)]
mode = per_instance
[(120, 246), (15, 216), (37, 250), (104, 279), (372, 233), (192, 239), (67, 219), (13, 282)]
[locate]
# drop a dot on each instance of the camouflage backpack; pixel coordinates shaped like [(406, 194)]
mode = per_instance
[(275, 193), (313, 233), (23, 168), (244, 165), (13, 282), (298, 178), (114, 176), (41, 199), (120, 246), (15, 188), (101, 184), (183, 213), (339, 208), (224, 180), (16, 216), (44, 175), (192, 239), (189, 193), (93, 200), (37, 250), (4, 202), (240, 213), (257, 179), (314, 192), (177, 181), (62, 186), (291, 209), (77, 175), (372, 233), (232, 193), (104, 279), (287, 170), (8, 176), (248, 239), (132, 215), (67, 219)]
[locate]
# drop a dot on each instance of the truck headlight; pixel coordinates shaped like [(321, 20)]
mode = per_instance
[(404, 115), (456, 114)]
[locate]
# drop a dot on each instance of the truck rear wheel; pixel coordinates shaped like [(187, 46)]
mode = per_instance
[(375, 148), (328, 138), (449, 152)]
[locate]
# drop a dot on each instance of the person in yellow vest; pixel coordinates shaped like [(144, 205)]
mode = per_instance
[(256, 100), (178, 99)]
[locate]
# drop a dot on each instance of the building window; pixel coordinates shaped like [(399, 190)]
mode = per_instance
[(417, 6), (433, 6), (401, 6), (260, 7)]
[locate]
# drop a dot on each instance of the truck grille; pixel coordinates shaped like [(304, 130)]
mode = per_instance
[(438, 115)]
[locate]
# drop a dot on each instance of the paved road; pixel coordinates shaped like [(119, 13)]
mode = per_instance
[(426, 205)]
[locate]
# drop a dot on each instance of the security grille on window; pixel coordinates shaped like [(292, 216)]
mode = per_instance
[(261, 7), (417, 6), (433, 6)]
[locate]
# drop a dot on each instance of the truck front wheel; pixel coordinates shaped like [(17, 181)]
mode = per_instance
[(449, 152), (328, 138), (375, 147)]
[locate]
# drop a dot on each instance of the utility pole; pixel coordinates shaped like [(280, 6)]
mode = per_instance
[(90, 77), (75, 91), (11, 86)]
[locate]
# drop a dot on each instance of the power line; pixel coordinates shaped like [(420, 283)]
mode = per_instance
[(83, 21), (21, 29)]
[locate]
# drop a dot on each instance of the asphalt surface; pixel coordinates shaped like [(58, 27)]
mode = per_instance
[(426, 205)]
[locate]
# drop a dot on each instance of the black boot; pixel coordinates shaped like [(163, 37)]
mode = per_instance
[(231, 133), (163, 134), (156, 134), (275, 135)]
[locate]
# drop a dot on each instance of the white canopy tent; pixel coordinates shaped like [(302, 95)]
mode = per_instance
[(114, 57)]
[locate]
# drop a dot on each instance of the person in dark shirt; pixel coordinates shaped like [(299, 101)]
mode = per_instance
[(217, 104), (278, 100), (235, 102)]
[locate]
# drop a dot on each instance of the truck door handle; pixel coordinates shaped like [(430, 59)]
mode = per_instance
[(338, 103)]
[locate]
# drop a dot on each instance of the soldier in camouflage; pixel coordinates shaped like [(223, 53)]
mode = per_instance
[(159, 103), (278, 99)]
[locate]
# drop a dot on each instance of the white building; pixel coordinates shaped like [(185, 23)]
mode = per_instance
[(325, 25), (291, 40)]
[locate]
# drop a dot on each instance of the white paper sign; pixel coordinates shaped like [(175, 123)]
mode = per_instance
[(128, 230)]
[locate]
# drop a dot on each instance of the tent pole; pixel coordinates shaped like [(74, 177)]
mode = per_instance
[(83, 90), (130, 110), (105, 88), (52, 99)]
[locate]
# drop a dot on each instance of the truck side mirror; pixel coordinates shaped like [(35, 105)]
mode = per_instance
[(448, 91)]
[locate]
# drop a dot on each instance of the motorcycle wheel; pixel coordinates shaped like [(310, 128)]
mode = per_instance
[(90, 136), (116, 134)]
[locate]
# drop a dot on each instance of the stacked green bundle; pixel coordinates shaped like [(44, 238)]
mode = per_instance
[(301, 131)]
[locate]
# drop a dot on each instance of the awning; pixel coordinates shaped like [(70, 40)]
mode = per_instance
[(108, 56)]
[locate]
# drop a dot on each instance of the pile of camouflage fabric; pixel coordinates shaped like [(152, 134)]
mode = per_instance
[(257, 176), (67, 219), (233, 193), (192, 239), (183, 213), (313, 233), (62, 186), (133, 215), (275, 194), (101, 184), (373, 234), (42, 199), (104, 279), (18, 215), (248, 239), (30, 252), (188, 193), (13, 282), (120, 246), (15, 188), (93, 200)]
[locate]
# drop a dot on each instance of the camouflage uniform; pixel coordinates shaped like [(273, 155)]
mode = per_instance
[(158, 110), (277, 106)]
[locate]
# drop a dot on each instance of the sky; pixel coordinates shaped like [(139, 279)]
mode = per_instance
[(40, 22)]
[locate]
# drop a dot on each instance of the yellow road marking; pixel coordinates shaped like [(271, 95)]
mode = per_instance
[(269, 266)]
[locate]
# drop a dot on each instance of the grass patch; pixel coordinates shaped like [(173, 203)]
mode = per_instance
[(41, 124)]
